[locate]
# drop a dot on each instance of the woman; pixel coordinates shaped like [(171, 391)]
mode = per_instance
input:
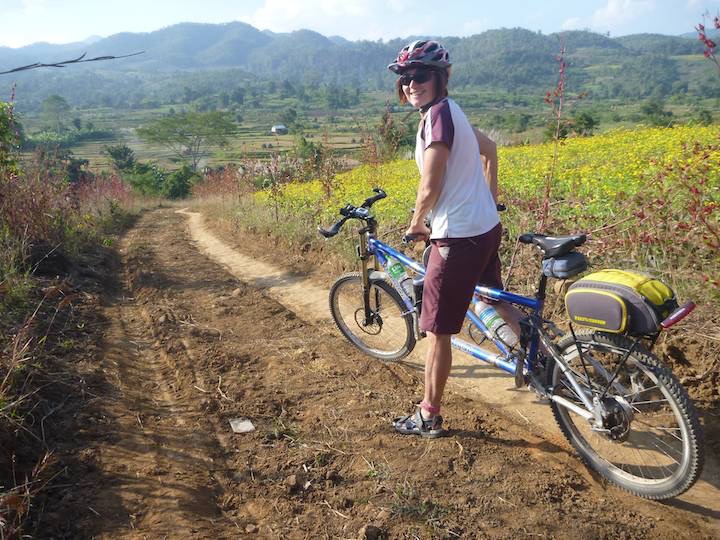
[(458, 188)]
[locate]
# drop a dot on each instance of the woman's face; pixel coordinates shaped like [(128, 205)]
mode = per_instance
[(418, 93)]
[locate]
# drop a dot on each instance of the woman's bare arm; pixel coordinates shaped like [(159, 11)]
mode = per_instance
[(488, 152), (435, 161)]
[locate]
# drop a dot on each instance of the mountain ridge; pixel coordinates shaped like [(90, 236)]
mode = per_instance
[(506, 59)]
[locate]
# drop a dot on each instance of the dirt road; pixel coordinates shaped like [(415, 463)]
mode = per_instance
[(189, 346)]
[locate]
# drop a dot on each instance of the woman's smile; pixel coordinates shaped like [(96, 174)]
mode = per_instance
[(419, 94)]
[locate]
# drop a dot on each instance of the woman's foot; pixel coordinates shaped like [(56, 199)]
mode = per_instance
[(416, 424)]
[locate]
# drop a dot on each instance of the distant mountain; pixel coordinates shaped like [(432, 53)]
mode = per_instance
[(91, 39), (508, 59), (712, 33), (660, 44), (236, 44)]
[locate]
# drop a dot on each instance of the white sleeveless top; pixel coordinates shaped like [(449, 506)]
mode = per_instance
[(466, 206)]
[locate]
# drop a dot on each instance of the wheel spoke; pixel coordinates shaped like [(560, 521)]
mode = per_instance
[(649, 401), (667, 429), (668, 455), (640, 392), (640, 460)]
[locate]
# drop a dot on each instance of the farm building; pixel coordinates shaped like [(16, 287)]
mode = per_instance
[(279, 129)]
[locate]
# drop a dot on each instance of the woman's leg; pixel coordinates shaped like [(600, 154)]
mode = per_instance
[(437, 370)]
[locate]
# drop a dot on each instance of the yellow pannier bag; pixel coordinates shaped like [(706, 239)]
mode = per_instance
[(620, 301)]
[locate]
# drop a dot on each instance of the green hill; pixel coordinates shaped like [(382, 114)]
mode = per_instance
[(510, 60)]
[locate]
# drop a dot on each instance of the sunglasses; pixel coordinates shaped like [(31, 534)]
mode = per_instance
[(420, 77)]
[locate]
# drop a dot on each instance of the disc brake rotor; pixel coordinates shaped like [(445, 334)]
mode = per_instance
[(372, 329)]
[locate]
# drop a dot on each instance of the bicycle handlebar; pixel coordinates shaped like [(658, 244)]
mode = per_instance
[(372, 200), (351, 212), (361, 212), (332, 231)]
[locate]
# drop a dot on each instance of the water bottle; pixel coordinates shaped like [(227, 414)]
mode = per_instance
[(397, 270), (495, 323)]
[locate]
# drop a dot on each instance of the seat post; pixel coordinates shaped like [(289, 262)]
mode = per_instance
[(542, 288)]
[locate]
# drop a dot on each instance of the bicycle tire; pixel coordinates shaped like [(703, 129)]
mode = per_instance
[(626, 463), (391, 335)]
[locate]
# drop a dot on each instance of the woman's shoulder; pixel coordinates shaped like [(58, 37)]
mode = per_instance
[(441, 109)]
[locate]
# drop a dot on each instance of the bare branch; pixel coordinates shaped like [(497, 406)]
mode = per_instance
[(64, 63)]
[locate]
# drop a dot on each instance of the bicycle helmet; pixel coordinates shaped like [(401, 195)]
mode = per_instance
[(421, 53)]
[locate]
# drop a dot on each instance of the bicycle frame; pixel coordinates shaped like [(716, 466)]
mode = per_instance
[(506, 360)]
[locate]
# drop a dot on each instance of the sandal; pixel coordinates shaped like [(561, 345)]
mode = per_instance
[(415, 424)]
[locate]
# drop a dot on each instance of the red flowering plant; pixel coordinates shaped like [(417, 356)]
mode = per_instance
[(708, 43), (558, 128)]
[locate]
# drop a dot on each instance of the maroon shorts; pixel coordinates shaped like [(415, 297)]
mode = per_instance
[(455, 266)]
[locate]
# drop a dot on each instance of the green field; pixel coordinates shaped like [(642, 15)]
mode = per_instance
[(510, 118)]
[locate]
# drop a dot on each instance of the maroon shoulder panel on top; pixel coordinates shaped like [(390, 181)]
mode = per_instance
[(439, 125)]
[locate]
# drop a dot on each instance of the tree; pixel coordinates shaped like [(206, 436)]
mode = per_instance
[(654, 110), (390, 136), (289, 117), (55, 111), (238, 95), (584, 124), (178, 184), (189, 135), (123, 157), (704, 117)]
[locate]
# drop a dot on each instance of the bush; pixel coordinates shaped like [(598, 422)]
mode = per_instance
[(146, 179), (122, 156), (178, 184)]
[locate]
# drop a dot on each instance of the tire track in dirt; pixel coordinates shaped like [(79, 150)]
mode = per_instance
[(162, 459), (470, 376)]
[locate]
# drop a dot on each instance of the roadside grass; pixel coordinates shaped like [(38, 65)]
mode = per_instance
[(52, 238)]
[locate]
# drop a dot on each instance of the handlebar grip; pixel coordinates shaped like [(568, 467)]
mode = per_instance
[(501, 207), (332, 231), (409, 238), (372, 200)]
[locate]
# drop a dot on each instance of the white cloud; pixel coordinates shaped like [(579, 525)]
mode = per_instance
[(475, 26), (618, 13), (34, 7), (573, 23), (353, 19)]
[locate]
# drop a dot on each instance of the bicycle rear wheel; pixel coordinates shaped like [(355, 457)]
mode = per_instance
[(388, 335), (652, 441)]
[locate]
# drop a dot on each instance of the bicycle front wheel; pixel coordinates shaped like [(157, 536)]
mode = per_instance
[(651, 440), (388, 333)]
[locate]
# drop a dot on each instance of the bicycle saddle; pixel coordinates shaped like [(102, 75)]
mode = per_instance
[(553, 246)]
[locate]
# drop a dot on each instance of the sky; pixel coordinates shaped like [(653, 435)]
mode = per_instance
[(64, 21)]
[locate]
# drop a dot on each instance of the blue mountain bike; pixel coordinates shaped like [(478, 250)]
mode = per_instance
[(624, 412)]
